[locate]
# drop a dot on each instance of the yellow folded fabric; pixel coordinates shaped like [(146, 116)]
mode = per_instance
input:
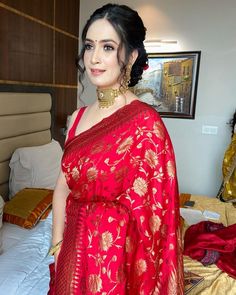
[(28, 206)]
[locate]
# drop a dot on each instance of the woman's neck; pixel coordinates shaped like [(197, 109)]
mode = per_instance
[(107, 96)]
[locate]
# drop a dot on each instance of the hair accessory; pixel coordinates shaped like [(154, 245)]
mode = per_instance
[(146, 67), (55, 248)]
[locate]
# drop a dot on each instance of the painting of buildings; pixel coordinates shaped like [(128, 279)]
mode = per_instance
[(167, 85)]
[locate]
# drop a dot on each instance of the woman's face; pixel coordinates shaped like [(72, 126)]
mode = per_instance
[(100, 57)]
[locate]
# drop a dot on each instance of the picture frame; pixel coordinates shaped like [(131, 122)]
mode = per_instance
[(170, 83)]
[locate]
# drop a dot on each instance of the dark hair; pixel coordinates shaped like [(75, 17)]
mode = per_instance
[(233, 122), (130, 28)]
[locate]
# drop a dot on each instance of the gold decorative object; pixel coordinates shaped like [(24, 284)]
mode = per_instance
[(106, 97), (55, 248)]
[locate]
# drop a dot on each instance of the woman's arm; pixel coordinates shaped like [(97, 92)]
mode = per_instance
[(58, 208), (59, 202)]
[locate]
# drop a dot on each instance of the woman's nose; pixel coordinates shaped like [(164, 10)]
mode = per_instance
[(95, 56)]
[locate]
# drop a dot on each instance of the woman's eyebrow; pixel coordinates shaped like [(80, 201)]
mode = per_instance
[(109, 40), (101, 41)]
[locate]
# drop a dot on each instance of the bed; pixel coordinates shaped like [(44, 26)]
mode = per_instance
[(29, 167), (211, 279)]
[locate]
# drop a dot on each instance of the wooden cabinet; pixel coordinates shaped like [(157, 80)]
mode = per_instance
[(38, 47)]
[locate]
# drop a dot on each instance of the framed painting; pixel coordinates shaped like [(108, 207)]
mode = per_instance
[(170, 83)]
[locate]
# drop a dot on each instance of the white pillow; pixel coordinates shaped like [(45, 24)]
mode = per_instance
[(1, 214), (35, 167)]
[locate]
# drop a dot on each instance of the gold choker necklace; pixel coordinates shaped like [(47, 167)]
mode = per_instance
[(106, 97)]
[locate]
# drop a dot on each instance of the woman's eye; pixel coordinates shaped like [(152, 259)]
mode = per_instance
[(88, 46), (108, 47)]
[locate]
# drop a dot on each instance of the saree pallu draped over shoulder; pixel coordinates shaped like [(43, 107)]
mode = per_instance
[(122, 231)]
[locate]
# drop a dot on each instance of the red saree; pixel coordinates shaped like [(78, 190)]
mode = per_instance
[(122, 216), (210, 242)]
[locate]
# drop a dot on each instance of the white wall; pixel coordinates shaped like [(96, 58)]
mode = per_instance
[(209, 26)]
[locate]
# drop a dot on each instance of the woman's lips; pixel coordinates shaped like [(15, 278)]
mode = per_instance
[(97, 72)]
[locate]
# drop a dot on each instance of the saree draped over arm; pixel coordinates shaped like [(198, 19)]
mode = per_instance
[(122, 216)]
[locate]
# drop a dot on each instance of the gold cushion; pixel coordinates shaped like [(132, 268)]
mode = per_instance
[(28, 206)]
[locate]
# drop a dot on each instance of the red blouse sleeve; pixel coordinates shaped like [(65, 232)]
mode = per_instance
[(72, 130)]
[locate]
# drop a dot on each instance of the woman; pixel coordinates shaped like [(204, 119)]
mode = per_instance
[(115, 206), (227, 191)]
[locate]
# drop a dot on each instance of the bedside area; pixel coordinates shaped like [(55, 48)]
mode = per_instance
[(208, 279)]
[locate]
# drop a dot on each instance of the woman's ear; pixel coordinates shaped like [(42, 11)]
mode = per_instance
[(133, 56)]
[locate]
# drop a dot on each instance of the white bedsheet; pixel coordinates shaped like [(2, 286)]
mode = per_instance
[(12, 234), (24, 262)]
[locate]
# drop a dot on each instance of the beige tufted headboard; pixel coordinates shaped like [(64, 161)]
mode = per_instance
[(25, 120)]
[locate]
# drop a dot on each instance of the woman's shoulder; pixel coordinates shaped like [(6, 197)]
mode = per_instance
[(73, 117), (148, 112), (149, 119), (75, 114), (74, 121)]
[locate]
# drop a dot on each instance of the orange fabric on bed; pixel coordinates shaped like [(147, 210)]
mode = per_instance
[(28, 206)]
